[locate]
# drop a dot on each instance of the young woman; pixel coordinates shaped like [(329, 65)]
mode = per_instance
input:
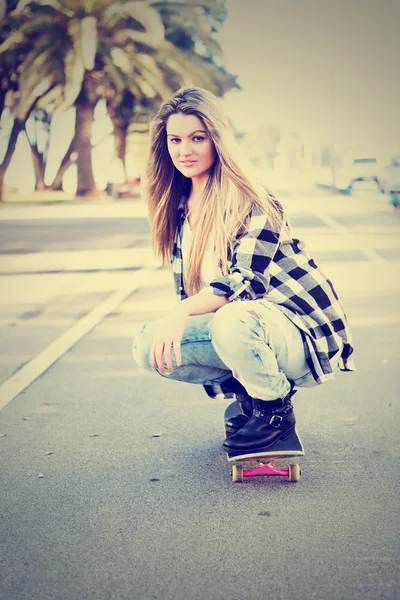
[(255, 313)]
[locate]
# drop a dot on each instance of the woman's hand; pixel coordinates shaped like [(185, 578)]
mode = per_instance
[(169, 335), (171, 330)]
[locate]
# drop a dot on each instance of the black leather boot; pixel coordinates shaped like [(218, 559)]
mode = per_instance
[(233, 424), (271, 421), (230, 388)]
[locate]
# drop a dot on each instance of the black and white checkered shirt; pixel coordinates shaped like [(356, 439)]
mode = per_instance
[(266, 264)]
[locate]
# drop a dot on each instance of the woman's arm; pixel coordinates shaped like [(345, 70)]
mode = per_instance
[(248, 277), (202, 303)]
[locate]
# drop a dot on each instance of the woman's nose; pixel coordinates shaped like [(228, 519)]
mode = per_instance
[(186, 148)]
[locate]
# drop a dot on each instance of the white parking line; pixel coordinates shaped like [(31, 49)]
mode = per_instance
[(38, 365), (351, 237)]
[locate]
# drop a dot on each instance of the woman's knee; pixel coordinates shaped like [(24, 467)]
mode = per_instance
[(228, 326), (141, 346)]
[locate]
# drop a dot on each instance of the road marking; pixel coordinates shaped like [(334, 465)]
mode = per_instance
[(351, 237), (38, 365), (75, 261)]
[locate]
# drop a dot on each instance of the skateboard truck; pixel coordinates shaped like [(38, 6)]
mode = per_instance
[(239, 472)]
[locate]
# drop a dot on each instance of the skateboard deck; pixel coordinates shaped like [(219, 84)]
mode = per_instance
[(292, 447)]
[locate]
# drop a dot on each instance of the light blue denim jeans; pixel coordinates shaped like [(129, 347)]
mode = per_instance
[(251, 340)]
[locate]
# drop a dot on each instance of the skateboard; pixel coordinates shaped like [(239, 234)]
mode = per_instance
[(283, 449)]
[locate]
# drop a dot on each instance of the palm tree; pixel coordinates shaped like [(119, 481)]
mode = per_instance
[(73, 60), (132, 53), (189, 55), (8, 92)]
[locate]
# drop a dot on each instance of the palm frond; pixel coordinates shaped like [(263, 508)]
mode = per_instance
[(13, 40), (52, 98), (37, 80), (121, 59), (147, 90), (88, 6), (3, 10), (116, 73), (74, 66), (118, 77), (20, 7), (35, 8), (150, 71), (100, 6), (215, 8), (37, 63), (147, 18), (193, 26), (44, 42), (195, 70), (68, 7), (32, 4), (88, 32), (42, 24)]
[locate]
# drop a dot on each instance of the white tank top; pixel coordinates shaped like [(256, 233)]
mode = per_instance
[(208, 269)]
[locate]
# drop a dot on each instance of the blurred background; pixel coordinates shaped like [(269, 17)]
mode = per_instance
[(311, 88)]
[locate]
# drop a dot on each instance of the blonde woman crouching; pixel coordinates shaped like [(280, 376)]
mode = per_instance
[(255, 315)]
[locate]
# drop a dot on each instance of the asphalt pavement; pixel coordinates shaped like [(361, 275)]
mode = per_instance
[(113, 483)]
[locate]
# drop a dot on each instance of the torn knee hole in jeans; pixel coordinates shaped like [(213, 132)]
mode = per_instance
[(253, 314), (257, 317)]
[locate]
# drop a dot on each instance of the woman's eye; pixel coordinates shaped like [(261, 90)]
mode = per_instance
[(175, 140), (198, 138)]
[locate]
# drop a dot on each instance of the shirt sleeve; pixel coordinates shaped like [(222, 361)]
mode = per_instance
[(248, 276)]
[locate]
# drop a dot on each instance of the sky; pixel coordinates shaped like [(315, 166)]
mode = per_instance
[(328, 69)]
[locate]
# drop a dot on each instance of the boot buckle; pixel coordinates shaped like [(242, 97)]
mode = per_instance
[(276, 421)]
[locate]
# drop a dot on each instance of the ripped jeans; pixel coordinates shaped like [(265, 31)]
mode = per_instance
[(251, 340)]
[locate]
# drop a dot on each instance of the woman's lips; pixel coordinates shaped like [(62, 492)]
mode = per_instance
[(187, 163)]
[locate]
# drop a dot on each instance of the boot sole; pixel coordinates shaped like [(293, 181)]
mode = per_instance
[(285, 436), (290, 448)]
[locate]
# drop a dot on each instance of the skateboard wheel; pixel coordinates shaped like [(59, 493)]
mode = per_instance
[(237, 473), (294, 472)]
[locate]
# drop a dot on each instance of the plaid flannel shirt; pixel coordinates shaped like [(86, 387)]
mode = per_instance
[(263, 264)]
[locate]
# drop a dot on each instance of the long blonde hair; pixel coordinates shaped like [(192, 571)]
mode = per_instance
[(232, 189)]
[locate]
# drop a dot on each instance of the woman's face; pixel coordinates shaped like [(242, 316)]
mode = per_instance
[(189, 145)]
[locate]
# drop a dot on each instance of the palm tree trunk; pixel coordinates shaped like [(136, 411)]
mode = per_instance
[(12, 143), (83, 131), (67, 161), (120, 136), (39, 167)]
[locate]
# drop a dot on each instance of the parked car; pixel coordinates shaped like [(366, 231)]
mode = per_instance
[(354, 169), (391, 180)]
